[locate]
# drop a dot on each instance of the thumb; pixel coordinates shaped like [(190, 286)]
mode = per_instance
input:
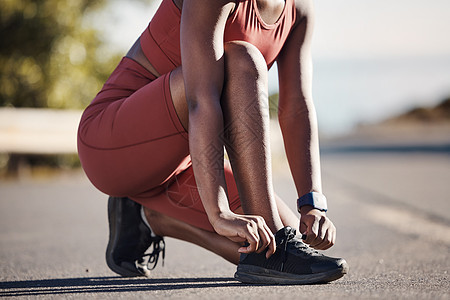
[(306, 227), (303, 227)]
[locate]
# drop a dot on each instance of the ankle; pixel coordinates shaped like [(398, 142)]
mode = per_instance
[(154, 219), (275, 225)]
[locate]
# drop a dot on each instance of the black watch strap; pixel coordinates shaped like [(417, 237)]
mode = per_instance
[(316, 200)]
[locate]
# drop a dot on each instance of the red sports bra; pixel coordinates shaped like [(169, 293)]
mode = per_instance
[(161, 39)]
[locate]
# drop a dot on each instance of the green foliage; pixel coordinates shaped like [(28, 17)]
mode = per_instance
[(273, 106), (49, 57)]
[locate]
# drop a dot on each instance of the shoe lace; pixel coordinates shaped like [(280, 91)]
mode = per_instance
[(284, 242), (304, 249), (299, 245), (158, 246)]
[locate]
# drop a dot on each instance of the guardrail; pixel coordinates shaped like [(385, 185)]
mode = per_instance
[(38, 131), (53, 131)]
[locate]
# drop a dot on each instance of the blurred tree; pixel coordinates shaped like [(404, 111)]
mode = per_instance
[(49, 56)]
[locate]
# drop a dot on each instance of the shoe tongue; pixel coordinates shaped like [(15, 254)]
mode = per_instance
[(283, 234)]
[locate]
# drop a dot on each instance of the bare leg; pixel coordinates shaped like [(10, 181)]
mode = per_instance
[(163, 225), (288, 217)]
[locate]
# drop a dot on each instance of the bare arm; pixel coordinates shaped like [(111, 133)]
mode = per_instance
[(296, 112), (203, 71), (297, 117), (202, 54)]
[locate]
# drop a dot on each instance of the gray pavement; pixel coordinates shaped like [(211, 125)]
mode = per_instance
[(391, 211)]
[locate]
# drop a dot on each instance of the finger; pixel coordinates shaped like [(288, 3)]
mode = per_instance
[(251, 237), (272, 246), (330, 238), (323, 229), (249, 247), (312, 232), (328, 246), (268, 239), (303, 229), (270, 243), (237, 239), (264, 233), (264, 240), (324, 243), (334, 236), (317, 241)]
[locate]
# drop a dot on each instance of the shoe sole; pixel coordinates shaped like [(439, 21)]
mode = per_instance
[(115, 204), (259, 275)]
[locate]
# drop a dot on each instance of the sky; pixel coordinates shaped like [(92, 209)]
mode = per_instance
[(382, 28), (343, 29), (372, 58)]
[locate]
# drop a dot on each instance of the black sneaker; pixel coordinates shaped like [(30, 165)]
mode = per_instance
[(129, 239), (293, 263)]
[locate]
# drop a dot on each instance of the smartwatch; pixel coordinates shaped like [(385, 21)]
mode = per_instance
[(316, 200)]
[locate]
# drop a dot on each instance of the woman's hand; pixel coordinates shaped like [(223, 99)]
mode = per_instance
[(319, 230), (244, 228)]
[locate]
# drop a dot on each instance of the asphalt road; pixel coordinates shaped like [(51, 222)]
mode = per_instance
[(391, 211)]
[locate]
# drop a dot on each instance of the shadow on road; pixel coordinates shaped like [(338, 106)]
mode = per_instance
[(107, 285)]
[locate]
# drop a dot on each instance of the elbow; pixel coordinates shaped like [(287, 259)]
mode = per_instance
[(204, 108), (202, 99), (192, 104)]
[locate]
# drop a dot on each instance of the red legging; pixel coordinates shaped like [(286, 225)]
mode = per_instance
[(131, 143)]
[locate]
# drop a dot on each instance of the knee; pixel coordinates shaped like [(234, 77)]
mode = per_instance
[(245, 59)]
